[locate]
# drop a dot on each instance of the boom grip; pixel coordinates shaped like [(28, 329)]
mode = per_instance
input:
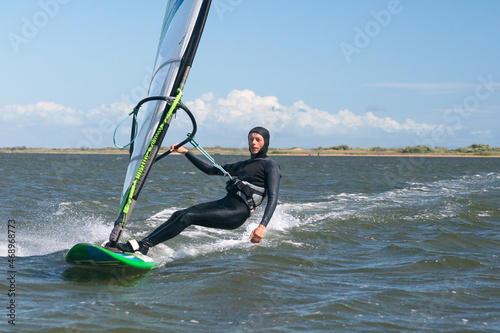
[(190, 135)]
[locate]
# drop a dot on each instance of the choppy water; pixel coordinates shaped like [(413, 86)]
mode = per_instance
[(358, 244)]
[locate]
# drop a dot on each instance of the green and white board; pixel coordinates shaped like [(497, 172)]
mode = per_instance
[(96, 256)]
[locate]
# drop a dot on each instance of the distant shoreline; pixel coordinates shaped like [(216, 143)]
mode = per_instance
[(387, 152)]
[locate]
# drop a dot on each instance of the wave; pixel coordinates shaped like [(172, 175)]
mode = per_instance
[(66, 225), (196, 240), (417, 195), (76, 222)]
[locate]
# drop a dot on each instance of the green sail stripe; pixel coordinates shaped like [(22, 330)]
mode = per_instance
[(145, 159)]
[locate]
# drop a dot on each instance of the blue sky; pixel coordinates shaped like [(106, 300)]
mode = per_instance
[(317, 73)]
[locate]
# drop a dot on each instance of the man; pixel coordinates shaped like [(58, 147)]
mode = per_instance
[(254, 179)]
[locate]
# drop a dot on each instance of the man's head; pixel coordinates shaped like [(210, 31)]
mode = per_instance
[(258, 141)]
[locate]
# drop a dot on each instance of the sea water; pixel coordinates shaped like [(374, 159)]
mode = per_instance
[(357, 244)]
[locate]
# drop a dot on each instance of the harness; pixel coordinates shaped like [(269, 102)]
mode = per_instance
[(252, 195)]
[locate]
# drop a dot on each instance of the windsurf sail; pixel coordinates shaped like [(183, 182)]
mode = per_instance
[(181, 32)]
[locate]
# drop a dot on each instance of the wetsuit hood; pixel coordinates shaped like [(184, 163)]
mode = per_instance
[(265, 134)]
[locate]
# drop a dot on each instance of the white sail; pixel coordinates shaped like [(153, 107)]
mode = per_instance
[(182, 28)]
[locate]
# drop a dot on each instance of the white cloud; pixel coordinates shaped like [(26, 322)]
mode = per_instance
[(41, 114), (483, 134), (428, 88), (482, 89), (221, 121), (48, 124), (243, 108)]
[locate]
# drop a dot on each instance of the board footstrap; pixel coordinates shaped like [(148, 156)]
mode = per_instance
[(134, 244)]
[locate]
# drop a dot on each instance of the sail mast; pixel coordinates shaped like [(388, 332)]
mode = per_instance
[(193, 45), (182, 29)]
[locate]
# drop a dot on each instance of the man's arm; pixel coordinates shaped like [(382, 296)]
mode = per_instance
[(198, 162)]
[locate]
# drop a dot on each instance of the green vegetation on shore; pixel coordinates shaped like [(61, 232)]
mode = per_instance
[(475, 149)]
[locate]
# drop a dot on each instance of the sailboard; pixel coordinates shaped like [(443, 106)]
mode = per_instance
[(96, 256), (182, 28)]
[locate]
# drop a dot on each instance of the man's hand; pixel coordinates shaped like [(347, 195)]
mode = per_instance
[(181, 150), (257, 235)]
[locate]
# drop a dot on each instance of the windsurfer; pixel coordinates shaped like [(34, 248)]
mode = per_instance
[(253, 180)]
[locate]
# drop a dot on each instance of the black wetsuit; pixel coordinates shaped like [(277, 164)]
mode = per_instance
[(231, 211)]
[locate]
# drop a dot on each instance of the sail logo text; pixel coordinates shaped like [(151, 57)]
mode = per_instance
[(31, 27)]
